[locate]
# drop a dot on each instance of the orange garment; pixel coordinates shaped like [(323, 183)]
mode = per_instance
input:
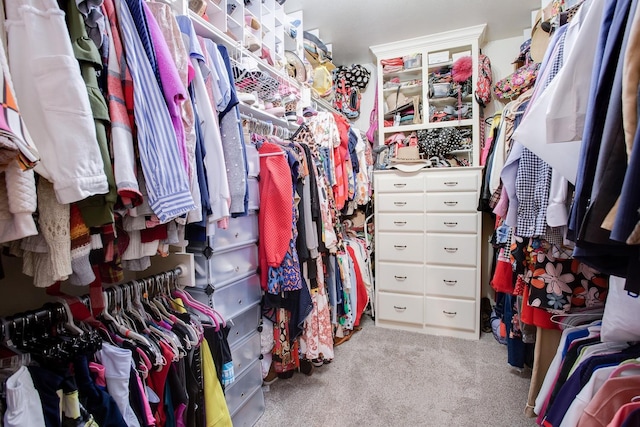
[(275, 217)]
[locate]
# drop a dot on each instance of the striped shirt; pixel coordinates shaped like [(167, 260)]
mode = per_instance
[(166, 180)]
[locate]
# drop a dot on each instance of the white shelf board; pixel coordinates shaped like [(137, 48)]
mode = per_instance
[(416, 70)]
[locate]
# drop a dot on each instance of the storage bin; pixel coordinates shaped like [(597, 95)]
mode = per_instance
[(412, 61), (440, 90)]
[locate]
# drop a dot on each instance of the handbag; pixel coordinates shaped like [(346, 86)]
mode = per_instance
[(517, 82), (373, 120)]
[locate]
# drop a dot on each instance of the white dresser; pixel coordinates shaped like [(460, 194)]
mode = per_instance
[(427, 242)]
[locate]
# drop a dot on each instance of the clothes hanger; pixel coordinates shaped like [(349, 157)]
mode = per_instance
[(119, 328), (194, 337), (69, 325), (190, 302), (565, 320), (628, 365)]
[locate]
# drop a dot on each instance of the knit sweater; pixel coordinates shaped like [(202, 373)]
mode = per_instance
[(17, 203)]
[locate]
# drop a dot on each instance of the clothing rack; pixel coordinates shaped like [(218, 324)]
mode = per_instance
[(55, 313), (264, 127)]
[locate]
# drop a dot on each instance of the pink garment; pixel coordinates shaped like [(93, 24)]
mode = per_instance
[(97, 372), (172, 87), (180, 413), (603, 406), (502, 206), (623, 413), (145, 403)]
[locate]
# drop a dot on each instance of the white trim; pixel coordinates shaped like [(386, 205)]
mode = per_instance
[(458, 36)]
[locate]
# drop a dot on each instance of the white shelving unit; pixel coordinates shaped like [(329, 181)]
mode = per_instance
[(428, 229)]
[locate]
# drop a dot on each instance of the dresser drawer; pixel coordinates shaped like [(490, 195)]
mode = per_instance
[(452, 202), (244, 324), (400, 247), (400, 222), (231, 299), (245, 352), (455, 180), (249, 413), (399, 183), (242, 229), (225, 266), (243, 387), (457, 282), (254, 194), (405, 278), (452, 249), (451, 223), (450, 313), (400, 308), (410, 202)]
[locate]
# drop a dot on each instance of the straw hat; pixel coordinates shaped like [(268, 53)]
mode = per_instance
[(539, 39), (295, 66)]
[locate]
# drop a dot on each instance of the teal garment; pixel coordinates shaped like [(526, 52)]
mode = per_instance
[(96, 210)]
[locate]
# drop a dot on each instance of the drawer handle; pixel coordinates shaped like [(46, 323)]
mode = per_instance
[(451, 250), (239, 302), (237, 268), (236, 235), (450, 313), (400, 203), (450, 203), (399, 308), (400, 278), (400, 247), (449, 282), (451, 183), (400, 223), (450, 224), (400, 185)]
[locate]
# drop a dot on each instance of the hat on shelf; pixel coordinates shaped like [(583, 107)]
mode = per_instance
[(247, 98), (295, 66), (309, 111), (408, 159), (539, 39)]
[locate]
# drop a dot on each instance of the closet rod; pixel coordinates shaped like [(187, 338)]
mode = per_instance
[(270, 128)]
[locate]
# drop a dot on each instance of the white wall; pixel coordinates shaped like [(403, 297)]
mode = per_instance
[(366, 103), (501, 53)]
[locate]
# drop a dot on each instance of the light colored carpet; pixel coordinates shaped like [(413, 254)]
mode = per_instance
[(383, 377)]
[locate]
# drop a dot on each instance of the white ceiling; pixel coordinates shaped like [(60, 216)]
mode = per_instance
[(354, 25)]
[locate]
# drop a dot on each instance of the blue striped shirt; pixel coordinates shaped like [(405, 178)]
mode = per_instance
[(166, 180)]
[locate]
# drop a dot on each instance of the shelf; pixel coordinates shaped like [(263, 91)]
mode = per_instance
[(416, 70), (436, 125), (233, 23), (205, 29), (262, 115), (461, 151), (449, 100), (440, 65), (411, 89), (212, 7), (406, 128)]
